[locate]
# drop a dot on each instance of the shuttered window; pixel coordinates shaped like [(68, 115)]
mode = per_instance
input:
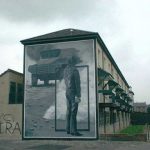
[(15, 93), (19, 93)]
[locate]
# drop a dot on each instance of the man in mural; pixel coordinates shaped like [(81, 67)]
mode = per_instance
[(73, 95)]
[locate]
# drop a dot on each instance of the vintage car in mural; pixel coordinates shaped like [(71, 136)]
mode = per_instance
[(51, 65)]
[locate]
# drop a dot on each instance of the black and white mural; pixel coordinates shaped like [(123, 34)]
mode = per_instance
[(60, 97)]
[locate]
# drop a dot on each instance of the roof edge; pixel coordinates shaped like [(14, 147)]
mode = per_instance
[(33, 39), (10, 70), (57, 39)]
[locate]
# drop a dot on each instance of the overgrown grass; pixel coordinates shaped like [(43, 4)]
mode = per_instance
[(133, 129)]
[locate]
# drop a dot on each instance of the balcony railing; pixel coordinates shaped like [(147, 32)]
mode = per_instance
[(106, 92), (113, 93)]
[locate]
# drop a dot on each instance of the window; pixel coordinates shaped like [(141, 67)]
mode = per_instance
[(104, 63), (15, 93), (112, 70), (99, 57), (19, 93), (109, 67), (12, 93), (118, 78)]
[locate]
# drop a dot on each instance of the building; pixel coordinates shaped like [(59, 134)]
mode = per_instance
[(140, 107), (113, 101), (114, 96), (11, 98)]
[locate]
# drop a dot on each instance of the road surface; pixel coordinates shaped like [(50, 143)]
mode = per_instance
[(71, 145)]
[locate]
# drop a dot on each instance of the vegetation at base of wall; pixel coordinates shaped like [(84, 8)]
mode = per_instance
[(140, 118), (133, 129)]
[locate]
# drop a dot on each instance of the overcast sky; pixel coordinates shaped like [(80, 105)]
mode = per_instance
[(124, 26)]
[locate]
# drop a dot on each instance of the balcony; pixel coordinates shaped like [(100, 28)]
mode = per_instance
[(104, 75), (129, 99), (106, 92), (119, 90), (113, 94)]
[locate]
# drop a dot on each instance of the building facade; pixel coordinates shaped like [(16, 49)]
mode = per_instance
[(11, 98), (106, 101), (114, 96), (140, 107)]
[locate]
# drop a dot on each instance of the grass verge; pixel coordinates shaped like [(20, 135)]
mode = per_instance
[(133, 129)]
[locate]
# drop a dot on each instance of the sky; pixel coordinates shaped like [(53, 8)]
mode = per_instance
[(124, 26)]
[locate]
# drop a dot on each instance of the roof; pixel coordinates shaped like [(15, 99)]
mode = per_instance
[(73, 34), (140, 104), (12, 71), (67, 33)]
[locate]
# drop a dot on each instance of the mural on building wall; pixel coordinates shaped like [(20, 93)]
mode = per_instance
[(60, 100)]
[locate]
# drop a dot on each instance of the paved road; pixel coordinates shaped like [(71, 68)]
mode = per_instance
[(71, 145)]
